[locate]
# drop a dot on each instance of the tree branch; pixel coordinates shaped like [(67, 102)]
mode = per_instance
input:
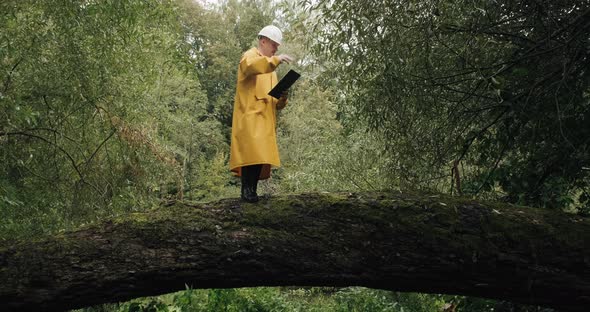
[(9, 78), (70, 158), (99, 146)]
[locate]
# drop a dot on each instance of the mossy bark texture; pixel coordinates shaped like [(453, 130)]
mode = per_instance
[(396, 241)]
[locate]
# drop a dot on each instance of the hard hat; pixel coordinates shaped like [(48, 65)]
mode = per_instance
[(272, 32)]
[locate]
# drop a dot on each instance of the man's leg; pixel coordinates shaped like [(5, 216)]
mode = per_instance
[(250, 176), (244, 182), (255, 176)]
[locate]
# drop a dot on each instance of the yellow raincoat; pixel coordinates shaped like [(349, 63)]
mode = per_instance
[(253, 134)]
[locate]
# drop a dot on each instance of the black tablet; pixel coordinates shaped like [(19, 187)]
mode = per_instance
[(284, 84)]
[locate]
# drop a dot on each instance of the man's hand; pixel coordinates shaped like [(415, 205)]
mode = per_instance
[(284, 95), (283, 100), (284, 58)]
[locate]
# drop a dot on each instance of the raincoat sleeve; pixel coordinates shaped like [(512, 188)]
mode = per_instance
[(253, 64)]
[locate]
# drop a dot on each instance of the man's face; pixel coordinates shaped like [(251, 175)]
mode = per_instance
[(268, 47)]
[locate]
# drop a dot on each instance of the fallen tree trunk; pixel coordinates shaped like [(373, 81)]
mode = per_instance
[(403, 242)]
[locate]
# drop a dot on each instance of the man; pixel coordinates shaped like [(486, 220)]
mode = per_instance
[(253, 142)]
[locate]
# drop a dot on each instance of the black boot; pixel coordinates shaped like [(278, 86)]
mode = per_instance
[(244, 182), (249, 182), (255, 175)]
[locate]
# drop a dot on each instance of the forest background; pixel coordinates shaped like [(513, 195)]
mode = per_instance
[(111, 107)]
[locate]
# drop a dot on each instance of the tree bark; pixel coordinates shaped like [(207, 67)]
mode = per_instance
[(395, 241)]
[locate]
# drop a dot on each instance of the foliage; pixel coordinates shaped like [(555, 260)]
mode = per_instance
[(281, 299), (501, 87), (101, 111), (319, 154)]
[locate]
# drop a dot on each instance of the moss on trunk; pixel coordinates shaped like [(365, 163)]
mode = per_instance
[(404, 242)]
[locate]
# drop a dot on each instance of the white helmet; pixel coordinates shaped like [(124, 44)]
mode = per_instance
[(272, 32)]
